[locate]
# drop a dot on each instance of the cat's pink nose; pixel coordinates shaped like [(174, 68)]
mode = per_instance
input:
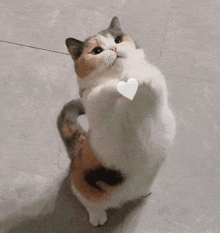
[(114, 49)]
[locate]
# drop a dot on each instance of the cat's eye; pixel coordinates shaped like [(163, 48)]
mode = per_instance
[(97, 50), (118, 39)]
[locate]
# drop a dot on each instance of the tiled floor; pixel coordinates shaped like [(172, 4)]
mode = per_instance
[(37, 78)]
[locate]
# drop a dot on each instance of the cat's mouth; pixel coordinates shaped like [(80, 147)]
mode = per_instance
[(118, 57)]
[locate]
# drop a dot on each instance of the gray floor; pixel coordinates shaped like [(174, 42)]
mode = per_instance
[(182, 38)]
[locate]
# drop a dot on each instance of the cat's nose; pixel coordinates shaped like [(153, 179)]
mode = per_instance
[(114, 49)]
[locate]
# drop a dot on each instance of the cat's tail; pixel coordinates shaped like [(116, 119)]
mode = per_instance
[(71, 132)]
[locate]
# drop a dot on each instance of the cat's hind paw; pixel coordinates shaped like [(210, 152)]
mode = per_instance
[(97, 218)]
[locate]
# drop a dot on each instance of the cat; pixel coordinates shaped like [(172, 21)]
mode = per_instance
[(117, 160)]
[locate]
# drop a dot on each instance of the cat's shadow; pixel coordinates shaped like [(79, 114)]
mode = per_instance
[(70, 216)]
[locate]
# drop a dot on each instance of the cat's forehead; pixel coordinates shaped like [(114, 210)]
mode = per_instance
[(100, 40), (105, 40)]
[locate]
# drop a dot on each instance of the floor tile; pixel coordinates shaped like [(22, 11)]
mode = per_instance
[(34, 87), (191, 46), (61, 212)]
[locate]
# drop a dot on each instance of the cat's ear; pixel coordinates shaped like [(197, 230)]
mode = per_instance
[(115, 25), (75, 47)]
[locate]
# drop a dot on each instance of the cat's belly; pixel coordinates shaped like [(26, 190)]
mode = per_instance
[(129, 147)]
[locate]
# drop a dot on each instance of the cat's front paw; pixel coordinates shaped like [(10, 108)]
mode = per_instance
[(154, 87), (144, 86), (97, 218), (156, 84)]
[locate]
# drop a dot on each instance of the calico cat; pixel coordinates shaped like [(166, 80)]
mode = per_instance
[(118, 158)]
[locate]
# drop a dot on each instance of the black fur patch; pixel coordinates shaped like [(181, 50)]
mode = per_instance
[(109, 176)]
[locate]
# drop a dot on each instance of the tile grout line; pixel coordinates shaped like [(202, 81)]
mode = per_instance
[(165, 31), (28, 46)]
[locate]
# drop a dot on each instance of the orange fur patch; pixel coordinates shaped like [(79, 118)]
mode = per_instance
[(92, 43), (73, 136), (85, 65), (68, 129), (87, 159), (127, 38), (87, 62)]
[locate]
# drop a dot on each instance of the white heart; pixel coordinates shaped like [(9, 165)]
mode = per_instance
[(128, 89)]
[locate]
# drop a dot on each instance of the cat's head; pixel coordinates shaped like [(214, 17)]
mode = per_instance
[(106, 50)]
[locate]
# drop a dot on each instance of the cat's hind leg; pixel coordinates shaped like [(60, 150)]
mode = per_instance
[(96, 210), (97, 216)]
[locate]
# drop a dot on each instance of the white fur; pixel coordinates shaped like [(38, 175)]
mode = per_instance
[(131, 136)]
